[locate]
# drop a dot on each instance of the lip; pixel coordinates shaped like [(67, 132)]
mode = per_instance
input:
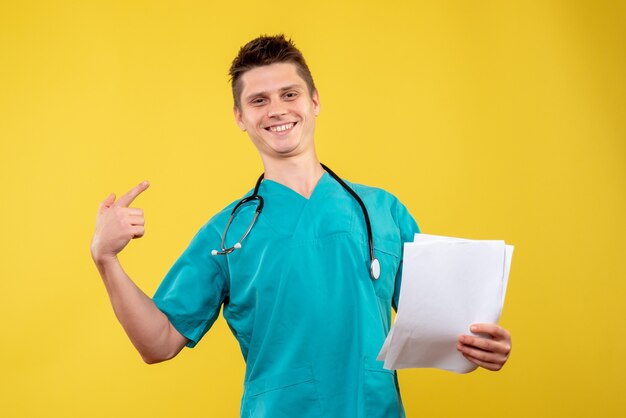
[(286, 131)]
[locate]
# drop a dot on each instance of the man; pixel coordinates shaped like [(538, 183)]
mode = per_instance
[(301, 292)]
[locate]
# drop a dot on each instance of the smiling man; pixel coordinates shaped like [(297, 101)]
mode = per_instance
[(307, 271), (277, 109)]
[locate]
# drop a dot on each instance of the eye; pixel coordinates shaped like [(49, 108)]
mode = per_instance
[(257, 101), (290, 95)]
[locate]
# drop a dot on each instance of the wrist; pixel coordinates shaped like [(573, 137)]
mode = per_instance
[(103, 260)]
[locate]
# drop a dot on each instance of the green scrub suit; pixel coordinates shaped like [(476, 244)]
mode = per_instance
[(299, 299)]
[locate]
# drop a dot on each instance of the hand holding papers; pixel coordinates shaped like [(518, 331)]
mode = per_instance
[(447, 285)]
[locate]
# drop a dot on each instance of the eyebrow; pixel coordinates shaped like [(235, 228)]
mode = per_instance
[(282, 89)]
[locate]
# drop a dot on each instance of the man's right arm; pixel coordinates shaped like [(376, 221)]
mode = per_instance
[(148, 328)]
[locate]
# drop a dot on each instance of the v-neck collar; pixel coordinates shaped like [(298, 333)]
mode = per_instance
[(284, 207)]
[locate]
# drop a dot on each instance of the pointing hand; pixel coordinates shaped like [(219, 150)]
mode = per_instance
[(117, 223)]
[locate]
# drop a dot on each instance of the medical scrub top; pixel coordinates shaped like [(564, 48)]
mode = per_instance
[(299, 298)]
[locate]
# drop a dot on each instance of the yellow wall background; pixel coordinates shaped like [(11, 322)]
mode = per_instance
[(488, 119)]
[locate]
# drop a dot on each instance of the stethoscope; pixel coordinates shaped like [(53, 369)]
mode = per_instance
[(374, 264)]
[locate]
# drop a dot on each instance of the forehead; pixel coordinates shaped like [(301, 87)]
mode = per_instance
[(270, 78)]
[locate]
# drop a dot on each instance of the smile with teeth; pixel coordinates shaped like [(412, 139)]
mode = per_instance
[(281, 128)]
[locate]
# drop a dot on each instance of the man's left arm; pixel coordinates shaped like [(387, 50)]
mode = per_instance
[(489, 352)]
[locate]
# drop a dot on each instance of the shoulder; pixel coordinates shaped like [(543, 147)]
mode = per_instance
[(381, 202), (377, 196)]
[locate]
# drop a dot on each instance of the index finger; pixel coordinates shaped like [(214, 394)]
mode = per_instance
[(128, 198), (495, 330)]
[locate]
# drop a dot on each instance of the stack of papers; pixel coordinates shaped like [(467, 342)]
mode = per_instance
[(447, 285)]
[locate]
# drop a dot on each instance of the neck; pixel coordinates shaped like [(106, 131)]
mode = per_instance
[(300, 173)]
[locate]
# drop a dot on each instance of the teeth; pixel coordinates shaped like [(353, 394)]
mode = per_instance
[(281, 128)]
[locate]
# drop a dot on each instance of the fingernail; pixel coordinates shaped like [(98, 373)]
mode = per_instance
[(473, 328)]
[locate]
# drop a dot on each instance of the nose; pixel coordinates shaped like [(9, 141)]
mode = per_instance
[(276, 110)]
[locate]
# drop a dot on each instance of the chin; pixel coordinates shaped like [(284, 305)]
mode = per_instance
[(285, 149)]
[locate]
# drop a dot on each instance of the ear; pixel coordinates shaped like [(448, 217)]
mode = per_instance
[(315, 97), (238, 118)]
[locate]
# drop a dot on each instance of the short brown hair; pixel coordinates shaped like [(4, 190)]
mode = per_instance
[(266, 50)]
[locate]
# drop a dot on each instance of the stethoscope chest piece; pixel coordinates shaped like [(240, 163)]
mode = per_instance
[(375, 269)]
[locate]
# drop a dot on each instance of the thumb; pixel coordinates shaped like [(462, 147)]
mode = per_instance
[(107, 202)]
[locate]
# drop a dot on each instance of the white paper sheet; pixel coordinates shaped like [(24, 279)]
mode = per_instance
[(447, 285)]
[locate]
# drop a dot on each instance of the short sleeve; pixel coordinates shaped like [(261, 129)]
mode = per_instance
[(194, 289), (408, 229)]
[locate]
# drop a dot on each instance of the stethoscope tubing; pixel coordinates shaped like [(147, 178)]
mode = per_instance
[(370, 238), (374, 263)]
